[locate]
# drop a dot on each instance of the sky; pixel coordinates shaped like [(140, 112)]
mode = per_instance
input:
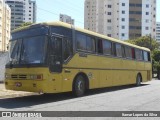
[(49, 10)]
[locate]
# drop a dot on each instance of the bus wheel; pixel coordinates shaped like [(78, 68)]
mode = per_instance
[(138, 80), (79, 86)]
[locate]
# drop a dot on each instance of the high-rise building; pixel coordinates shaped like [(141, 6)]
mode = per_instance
[(66, 19), (5, 19), (22, 11), (158, 32), (121, 19)]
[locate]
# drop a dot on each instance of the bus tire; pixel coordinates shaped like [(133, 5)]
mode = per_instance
[(79, 86), (138, 80)]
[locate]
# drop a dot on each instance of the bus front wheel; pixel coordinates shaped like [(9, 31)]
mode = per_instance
[(79, 86), (138, 80)]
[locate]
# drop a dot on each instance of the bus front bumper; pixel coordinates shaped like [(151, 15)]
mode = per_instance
[(29, 86)]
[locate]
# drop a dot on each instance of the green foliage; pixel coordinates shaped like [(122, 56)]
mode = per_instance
[(156, 65), (26, 24), (23, 26), (156, 55), (145, 41), (156, 59)]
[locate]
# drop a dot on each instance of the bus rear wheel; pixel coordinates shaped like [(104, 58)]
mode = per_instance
[(79, 86), (138, 80)]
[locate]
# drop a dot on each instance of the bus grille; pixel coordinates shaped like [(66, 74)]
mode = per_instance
[(19, 77)]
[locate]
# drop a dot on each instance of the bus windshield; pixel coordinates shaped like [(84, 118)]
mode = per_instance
[(29, 50)]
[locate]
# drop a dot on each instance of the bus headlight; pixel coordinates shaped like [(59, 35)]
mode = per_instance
[(36, 77)]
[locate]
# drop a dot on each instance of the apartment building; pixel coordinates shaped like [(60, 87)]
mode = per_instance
[(22, 11), (66, 19), (121, 19), (158, 32), (5, 19)]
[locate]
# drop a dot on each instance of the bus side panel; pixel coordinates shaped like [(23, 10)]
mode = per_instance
[(105, 71), (106, 78), (148, 67), (70, 75), (67, 80), (140, 66), (144, 76), (54, 83), (76, 65), (129, 75), (145, 69)]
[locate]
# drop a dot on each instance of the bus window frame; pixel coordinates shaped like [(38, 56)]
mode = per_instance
[(135, 49), (105, 40), (86, 36), (130, 58), (116, 43), (69, 37)]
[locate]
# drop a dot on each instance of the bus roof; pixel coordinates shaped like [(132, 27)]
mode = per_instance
[(66, 25)]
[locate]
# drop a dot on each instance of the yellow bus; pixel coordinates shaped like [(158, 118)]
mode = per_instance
[(57, 57)]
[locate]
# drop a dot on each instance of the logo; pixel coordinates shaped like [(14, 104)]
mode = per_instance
[(6, 114), (89, 75)]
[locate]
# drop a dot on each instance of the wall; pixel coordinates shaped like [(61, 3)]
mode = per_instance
[(3, 60)]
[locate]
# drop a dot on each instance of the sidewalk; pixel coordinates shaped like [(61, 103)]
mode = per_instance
[(10, 94)]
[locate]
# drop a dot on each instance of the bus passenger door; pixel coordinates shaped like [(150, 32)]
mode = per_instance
[(55, 63), (55, 60)]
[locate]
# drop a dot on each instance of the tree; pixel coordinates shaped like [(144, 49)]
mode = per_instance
[(156, 61), (156, 55), (145, 41), (26, 24)]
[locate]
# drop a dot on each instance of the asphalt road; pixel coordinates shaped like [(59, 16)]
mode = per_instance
[(124, 98)]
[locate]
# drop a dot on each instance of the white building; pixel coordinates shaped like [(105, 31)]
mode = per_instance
[(121, 19), (5, 20), (22, 11), (158, 32), (66, 19)]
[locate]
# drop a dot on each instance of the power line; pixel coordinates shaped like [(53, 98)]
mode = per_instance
[(47, 11), (56, 14)]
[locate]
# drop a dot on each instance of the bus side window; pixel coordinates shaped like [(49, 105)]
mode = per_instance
[(145, 56), (128, 52), (123, 52), (149, 57), (62, 31), (119, 50), (139, 55), (67, 48), (81, 42), (113, 49), (100, 46), (91, 46), (107, 47), (133, 53)]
